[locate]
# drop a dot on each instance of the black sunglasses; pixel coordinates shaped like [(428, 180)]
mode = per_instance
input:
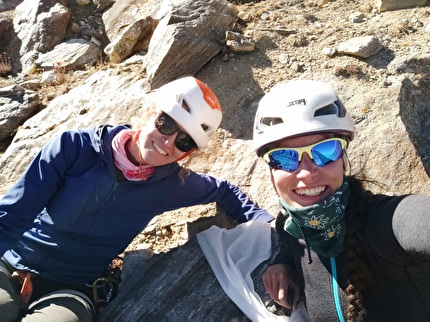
[(167, 126)]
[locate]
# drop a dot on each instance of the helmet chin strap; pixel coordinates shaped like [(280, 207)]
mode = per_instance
[(183, 156)]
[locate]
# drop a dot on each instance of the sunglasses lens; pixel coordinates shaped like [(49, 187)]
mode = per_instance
[(327, 152), (322, 154), (287, 160), (167, 126), (184, 142)]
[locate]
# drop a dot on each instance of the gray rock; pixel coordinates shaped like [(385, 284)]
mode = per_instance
[(176, 286), (16, 105), (363, 47), (415, 113), (70, 55), (387, 5), (6, 5), (32, 20)]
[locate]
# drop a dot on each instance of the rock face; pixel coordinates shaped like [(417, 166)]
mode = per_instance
[(187, 38), (178, 37), (17, 105), (118, 51), (179, 286), (414, 111)]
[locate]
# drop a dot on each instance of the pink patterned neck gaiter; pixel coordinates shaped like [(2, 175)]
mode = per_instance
[(131, 171)]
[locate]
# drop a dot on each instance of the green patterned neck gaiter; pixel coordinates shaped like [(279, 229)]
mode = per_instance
[(323, 224)]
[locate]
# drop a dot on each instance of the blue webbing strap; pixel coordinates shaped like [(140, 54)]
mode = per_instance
[(336, 289)]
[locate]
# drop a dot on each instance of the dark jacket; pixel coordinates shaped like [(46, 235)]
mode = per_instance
[(398, 233), (69, 215)]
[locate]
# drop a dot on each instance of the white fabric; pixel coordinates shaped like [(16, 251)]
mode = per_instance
[(233, 255)]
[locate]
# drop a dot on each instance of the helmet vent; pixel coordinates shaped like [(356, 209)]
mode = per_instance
[(185, 106), (204, 127), (335, 108), (270, 121)]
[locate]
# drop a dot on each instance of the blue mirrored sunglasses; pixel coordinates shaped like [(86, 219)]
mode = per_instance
[(322, 153), (167, 126)]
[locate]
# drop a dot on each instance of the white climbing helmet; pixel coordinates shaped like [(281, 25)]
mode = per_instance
[(193, 105), (297, 108)]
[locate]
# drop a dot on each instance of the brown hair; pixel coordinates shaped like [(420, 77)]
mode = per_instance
[(360, 266)]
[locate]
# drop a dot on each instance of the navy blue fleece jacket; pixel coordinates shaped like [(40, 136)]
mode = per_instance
[(68, 216)]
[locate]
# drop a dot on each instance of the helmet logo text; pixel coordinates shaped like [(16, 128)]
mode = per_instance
[(297, 102)]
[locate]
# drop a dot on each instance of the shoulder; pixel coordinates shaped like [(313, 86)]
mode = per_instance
[(104, 130), (95, 132), (379, 229), (411, 209)]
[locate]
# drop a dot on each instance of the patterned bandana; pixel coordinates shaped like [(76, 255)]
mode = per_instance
[(322, 224), (131, 171)]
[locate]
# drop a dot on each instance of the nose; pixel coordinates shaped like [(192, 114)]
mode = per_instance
[(169, 140), (307, 167)]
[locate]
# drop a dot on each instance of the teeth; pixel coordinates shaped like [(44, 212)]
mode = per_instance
[(159, 149), (310, 192)]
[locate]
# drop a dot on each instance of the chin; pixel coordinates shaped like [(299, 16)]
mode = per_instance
[(304, 201)]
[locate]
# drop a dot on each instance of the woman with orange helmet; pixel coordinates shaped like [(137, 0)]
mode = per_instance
[(89, 192)]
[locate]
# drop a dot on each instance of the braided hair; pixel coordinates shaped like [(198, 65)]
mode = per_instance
[(359, 260)]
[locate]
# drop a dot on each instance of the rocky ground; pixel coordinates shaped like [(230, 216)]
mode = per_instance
[(290, 39)]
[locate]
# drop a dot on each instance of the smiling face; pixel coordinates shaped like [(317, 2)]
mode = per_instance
[(158, 149), (309, 184)]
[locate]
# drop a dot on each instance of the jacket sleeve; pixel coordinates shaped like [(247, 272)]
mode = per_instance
[(32, 191), (202, 189)]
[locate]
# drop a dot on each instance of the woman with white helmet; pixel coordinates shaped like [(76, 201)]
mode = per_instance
[(350, 255), (89, 192)]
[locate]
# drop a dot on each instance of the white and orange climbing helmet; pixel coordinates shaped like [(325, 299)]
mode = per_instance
[(193, 105), (297, 108)]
